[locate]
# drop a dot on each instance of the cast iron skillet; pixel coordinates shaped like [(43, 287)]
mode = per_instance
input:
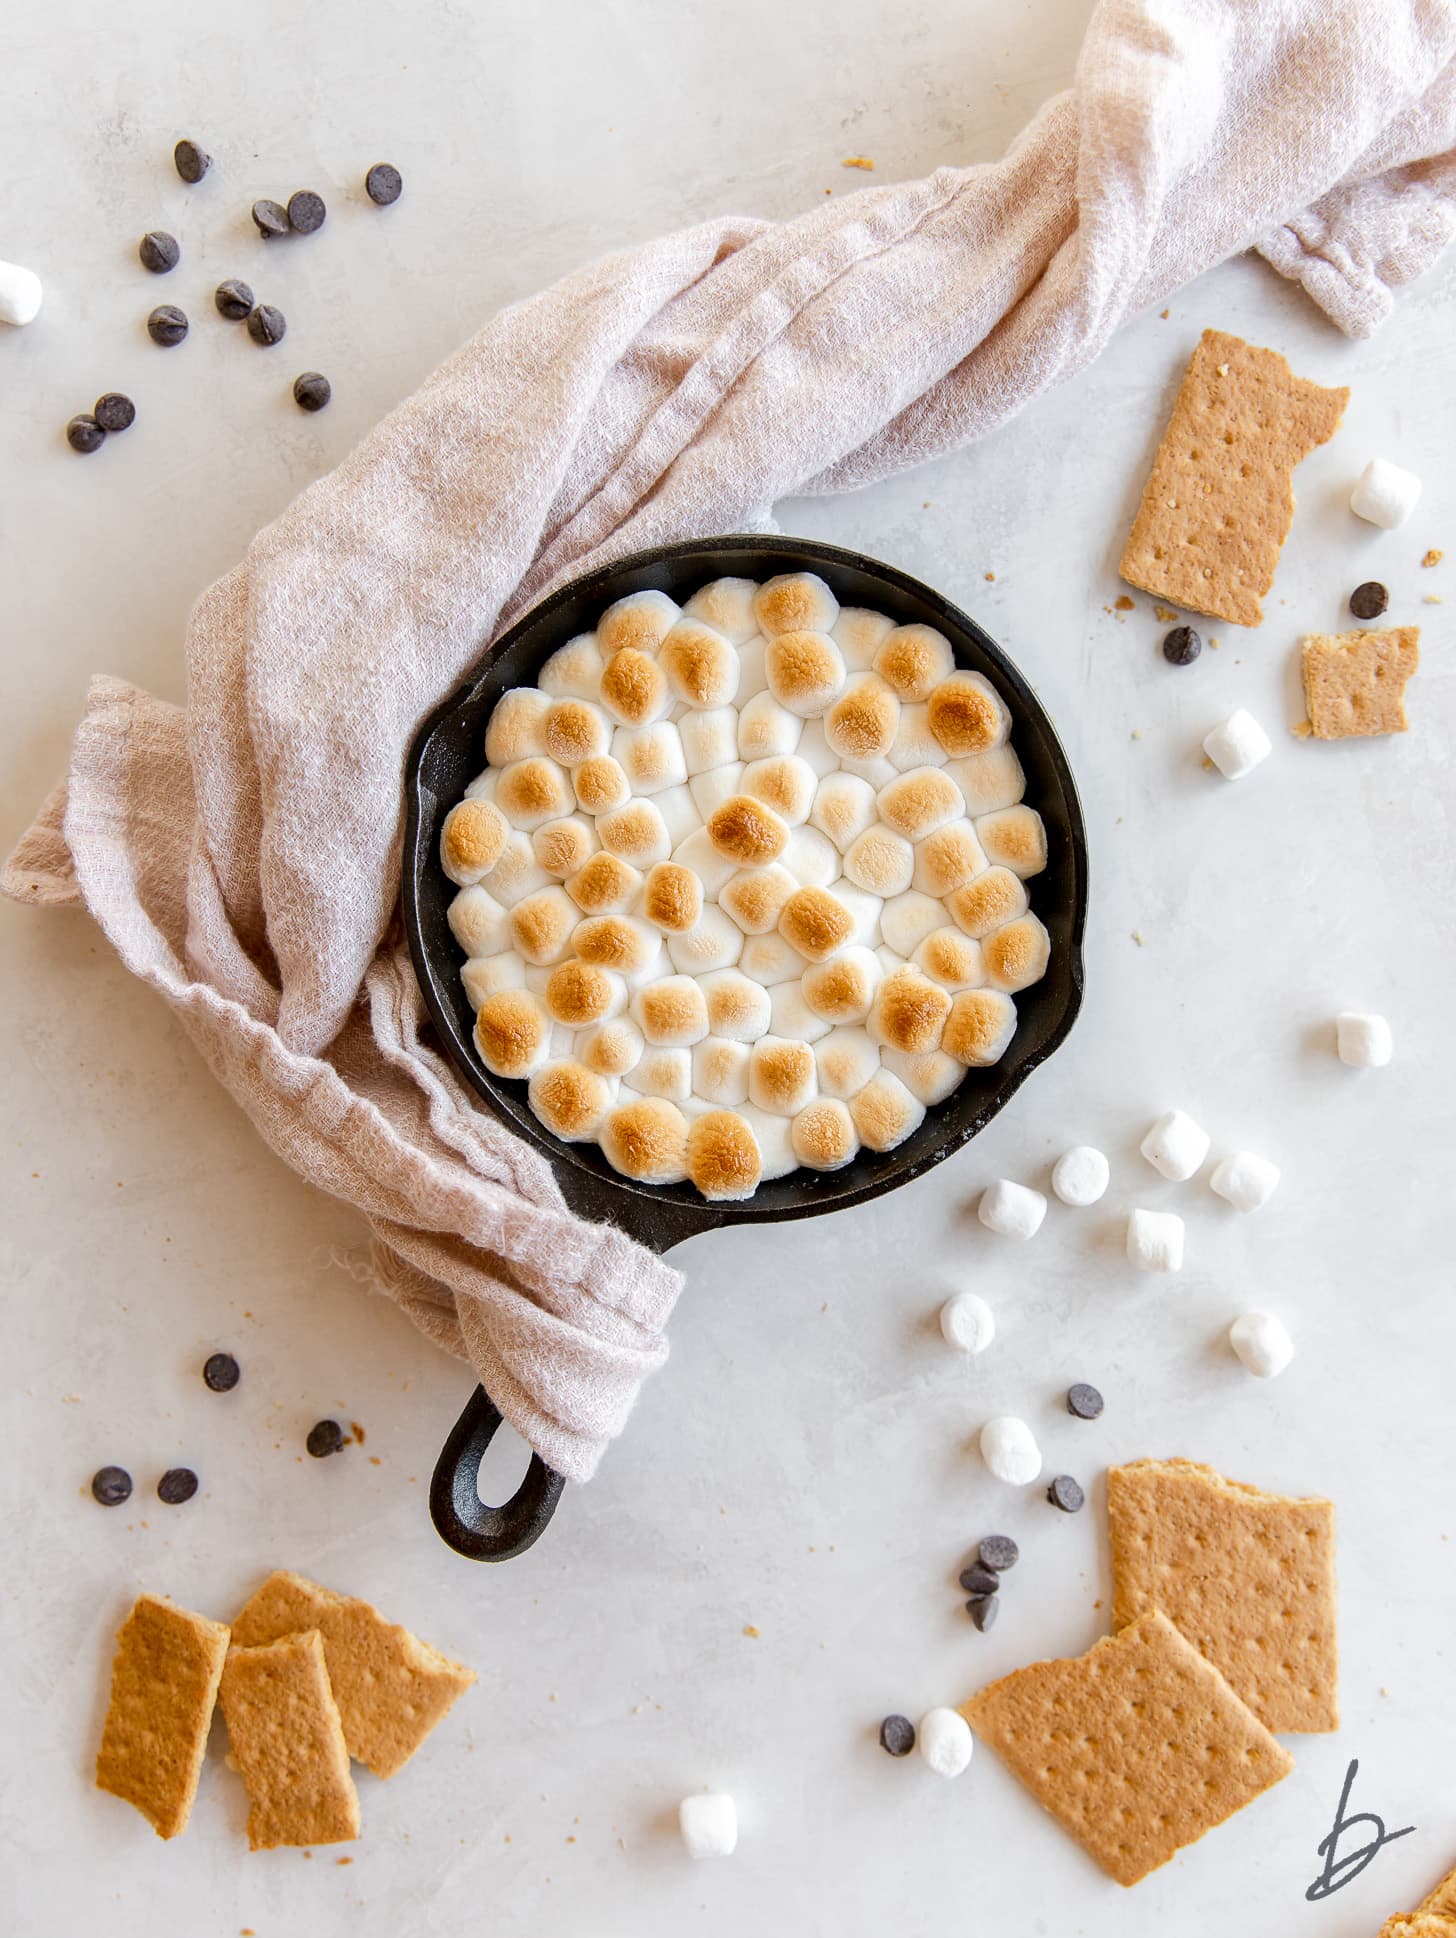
[(449, 752)]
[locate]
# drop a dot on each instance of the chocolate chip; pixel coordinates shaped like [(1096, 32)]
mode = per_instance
[(1368, 601), (234, 300), (267, 325), (325, 1438), (85, 435), (306, 211), (111, 1486), (167, 325), (1181, 646), (983, 1611), (897, 1733), (999, 1552), (271, 218), (191, 161), (159, 251), (221, 1373), (178, 1484), (979, 1581), (114, 412), (1083, 1402), (312, 390), (382, 185), (1066, 1494)]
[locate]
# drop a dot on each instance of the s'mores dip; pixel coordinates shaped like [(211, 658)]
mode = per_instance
[(742, 886)]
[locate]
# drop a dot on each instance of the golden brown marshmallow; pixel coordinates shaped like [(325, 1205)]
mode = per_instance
[(879, 861), (634, 688), (1014, 838), (980, 1027), (988, 902), (861, 723), (795, 602), (755, 897), (823, 1135), (723, 1155), (635, 832), (576, 731), (511, 1033), (613, 1048), (913, 660), (1017, 956), (564, 847), (673, 897), (642, 620), (578, 993), (570, 1100), (605, 885), (951, 958), (738, 1007), (471, 839), (816, 923), (701, 666), (783, 782), (947, 859), (646, 1139), (909, 1012), (672, 1013), (542, 925), (600, 785), (967, 717), (918, 802), (746, 831), (615, 943), (782, 1075), (516, 728), (805, 671), (842, 989), (885, 1112), (532, 791)]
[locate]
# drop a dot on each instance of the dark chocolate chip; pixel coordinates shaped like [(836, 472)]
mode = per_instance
[(111, 1486), (312, 390), (325, 1438), (1368, 601), (1181, 646), (271, 218), (267, 325), (306, 212), (234, 300), (178, 1484), (221, 1373), (979, 1581), (1065, 1493), (897, 1735), (159, 251), (1083, 1402), (999, 1552), (167, 325), (85, 435), (984, 1610), (382, 185), (192, 162), (114, 412)]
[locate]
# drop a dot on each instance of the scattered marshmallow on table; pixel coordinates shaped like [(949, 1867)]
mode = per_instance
[(1237, 747), (1080, 1175), (1386, 494), (1364, 1042), (1155, 1241), (1175, 1146), (1014, 1210), (1246, 1180), (1009, 1449), (709, 1825), (944, 1739), (1263, 1345), (20, 294), (967, 1323)]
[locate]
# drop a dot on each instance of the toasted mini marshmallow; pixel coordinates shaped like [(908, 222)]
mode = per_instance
[(843, 808), (542, 925), (770, 960), (663, 1070), (846, 1060), (862, 721), (579, 993), (615, 942), (885, 1113), (989, 781), (817, 922), (641, 620), (805, 672), (879, 861), (752, 675), (517, 873), (482, 976), (727, 606), (635, 833), (795, 602), (914, 744), (842, 989), (746, 831), (471, 839), (646, 1138), (719, 784), (914, 660), (478, 922), (709, 739), (1014, 838), (782, 1076), (650, 757), (930, 1076), (824, 1136), (1015, 957), (988, 902), (576, 731), (948, 859), (811, 858), (859, 633), (570, 1100), (864, 911), (950, 958), (916, 803), (516, 729), (720, 1070), (564, 847), (791, 1016), (701, 666), (909, 1012), (574, 671), (775, 1145), (604, 885), (612, 1048), (765, 728), (725, 1164), (634, 689), (980, 1027), (755, 897), (679, 813), (600, 785), (532, 791), (512, 1033), (967, 716), (714, 941), (712, 868), (672, 897), (783, 782), (738, 1008)]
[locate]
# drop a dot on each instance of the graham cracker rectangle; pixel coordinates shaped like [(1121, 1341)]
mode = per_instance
[(289, 1744), (391, 1688), (163, 1686), (1354, 683), (1219, 501), (1247, 1577), (1137, 1748)]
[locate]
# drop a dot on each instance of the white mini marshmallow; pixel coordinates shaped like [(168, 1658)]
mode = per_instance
[(1364, 1042), (679, 811), (664, 1071), (1175, 1146), (1262, 1344), (914, 744), (727, 606), (713, 942), (483, 976), (1080, 1175), (945, 1741), (720, 1071), (1237, 747), (967, 1323), (20, 294), (1386, 494), (774, 1137), (517, 873), (712, 869), (790, 1015), (1009, 1449), (752, 670), (1015, 1210), (709, 1825), (814, 748), (769, 959), (719, 784), (765, 728), (1155, 1241), (878, 772), (929, 1075), (847, 1060), (844, 807), (864, 912), (650, 757), (738, 1008), (785, 782), (857, 632), (907, 919), (709, 738), (989, 781), (574, 671), (478, 922), (811, 858), (1245, 1180)]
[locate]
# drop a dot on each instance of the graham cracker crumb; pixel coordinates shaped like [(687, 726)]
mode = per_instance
[(751, 1631), (1164, 615), (1433, 557), (1301, 730), (1123, 604), (857, 161)]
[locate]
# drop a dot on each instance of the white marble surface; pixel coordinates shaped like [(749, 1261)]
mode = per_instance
[(805, 1463)]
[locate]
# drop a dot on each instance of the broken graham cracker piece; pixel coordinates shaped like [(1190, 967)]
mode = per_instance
[(391, 1688), (1247, 1577), (1218, 503), (1354, 683), (289, 1744), (163, 1687), (1440, 1903), (1418, 1924), (1136, 1748)]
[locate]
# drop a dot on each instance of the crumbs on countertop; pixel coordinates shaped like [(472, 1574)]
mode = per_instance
[(857, 161)]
